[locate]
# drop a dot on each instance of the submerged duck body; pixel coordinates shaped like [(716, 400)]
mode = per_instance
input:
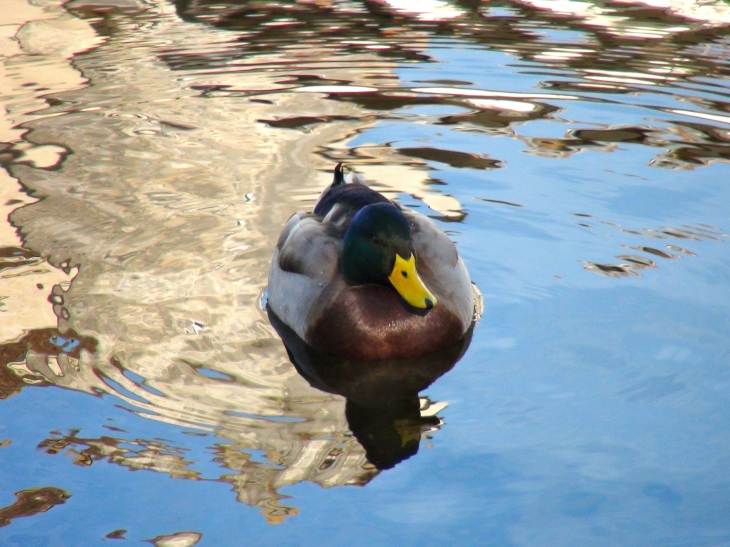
[(363, 278)]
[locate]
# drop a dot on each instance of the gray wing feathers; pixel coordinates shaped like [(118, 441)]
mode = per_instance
[(308, 248), (305, 260), (441, 267)]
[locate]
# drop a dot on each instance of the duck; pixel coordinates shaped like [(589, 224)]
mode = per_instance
[(362, 277)]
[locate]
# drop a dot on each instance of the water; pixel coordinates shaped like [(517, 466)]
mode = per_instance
[(576, 152)]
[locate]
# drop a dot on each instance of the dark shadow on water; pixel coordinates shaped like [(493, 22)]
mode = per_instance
[(383, 408)]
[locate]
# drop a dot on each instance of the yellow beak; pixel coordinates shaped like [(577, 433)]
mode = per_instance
[(406, 281)]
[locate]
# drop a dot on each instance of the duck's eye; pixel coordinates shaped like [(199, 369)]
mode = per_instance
[(376, 241), (404, 273)]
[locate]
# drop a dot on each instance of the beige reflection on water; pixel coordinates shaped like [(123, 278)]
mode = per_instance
[(36, 43), (159, 208)]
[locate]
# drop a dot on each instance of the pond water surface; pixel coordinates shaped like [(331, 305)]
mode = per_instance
[(577, 153)]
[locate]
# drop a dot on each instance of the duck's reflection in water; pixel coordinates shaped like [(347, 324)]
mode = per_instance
[(383, 409)]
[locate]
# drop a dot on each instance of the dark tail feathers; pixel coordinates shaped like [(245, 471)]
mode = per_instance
[(339, 175)]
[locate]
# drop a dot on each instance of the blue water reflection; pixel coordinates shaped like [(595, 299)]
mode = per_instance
[(583, 175)]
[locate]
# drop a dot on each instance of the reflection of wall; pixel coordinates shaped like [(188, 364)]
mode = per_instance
[(168, 204), (25, 279), (36, 43)]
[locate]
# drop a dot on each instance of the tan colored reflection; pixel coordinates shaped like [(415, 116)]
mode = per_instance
[(711, 13), (603, 48), (133, 454), (255, 483), (178, 539), (611, 18), (165, 208), (39, 355), (26, 279), (36, 42)]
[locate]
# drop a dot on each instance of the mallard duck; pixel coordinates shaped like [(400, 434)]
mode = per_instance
[(382, 408), (364, 278)]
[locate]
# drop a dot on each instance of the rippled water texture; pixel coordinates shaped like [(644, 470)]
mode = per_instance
[(577, 152)]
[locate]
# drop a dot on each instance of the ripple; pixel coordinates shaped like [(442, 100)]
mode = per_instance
[(452, 158), (632, 264), (335, 89), (478, 93)]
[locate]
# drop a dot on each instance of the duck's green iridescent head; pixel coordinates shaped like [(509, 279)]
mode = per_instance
[(377, 249)]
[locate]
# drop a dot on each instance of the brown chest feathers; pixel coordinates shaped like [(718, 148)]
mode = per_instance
[(373, 323)]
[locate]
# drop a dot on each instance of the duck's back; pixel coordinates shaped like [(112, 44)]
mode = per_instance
[(350, 198)]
